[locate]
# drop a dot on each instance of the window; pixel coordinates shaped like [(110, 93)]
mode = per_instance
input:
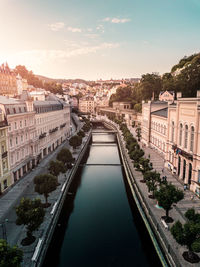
[(186, 136), (15, 125), (180, 134), (10, 142), (25, 122), (172, 136), (20, 124), (16, 140), (192, 139), (14, 110), (20, 110), (2, 149), (4, 165), (8, 111), (22, 138)]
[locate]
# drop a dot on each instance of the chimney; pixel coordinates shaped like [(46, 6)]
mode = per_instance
[(179, 95)]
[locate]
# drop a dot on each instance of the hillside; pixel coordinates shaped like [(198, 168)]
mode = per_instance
[(50, 80)]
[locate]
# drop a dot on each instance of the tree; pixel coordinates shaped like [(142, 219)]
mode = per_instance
[(188, 235), (30, 213), (65, 156), (45, 184), (138, 133), (152, 180), (56, 167), (75, 141), (10, 256), (138, 107), (167, 195), (81, 133), (136, 154)]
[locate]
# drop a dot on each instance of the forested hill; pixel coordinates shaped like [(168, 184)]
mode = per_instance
[(184, 77)]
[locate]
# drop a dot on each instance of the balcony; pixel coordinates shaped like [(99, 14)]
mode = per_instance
[(4, 154), (3, 124), (42, 135), (180, 151), (53, 130), (62, 125)]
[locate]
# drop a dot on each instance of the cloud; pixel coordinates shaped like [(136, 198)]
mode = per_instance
[(56, 26), (35, 58), (116, 20), (100, 28), (71, 29), (92, 35)]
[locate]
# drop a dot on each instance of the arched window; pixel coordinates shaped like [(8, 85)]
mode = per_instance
[(192, 139), (186, 136), (172, 136), (180, 134)]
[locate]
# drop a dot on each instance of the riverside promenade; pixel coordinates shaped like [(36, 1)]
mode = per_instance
[(172, 249), (25, 188)]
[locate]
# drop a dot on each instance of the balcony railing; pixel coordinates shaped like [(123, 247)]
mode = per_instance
[(42, 135), (3, 124), (4, 154), (62, 125), (180, 151), (53, 130)]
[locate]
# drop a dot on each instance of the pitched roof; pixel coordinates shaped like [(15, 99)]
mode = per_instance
[(161, 112)]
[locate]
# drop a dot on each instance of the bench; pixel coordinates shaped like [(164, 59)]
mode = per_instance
[(164, 224)]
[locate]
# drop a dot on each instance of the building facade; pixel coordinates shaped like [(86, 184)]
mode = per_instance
[(87, 105), (173, 130), (22, 139), (52, 120), (183, 140), (8, 81), (5, 176)]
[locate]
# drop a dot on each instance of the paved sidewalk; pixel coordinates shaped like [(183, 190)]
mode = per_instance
[(25, 188), (158, 165)]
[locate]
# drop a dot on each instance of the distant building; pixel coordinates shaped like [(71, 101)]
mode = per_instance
[(8, 81), (5, 176), (167, 96), (87, 105), (21, 84)]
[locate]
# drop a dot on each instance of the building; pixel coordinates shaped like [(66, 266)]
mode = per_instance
[(52, 120), (167, 96), (22, 138), (5, 176), (8, 81), (183, 140), (121, 111), (22, 84), (173, 130), (87, 104)]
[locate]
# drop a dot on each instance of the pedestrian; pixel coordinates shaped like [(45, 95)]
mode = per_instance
[(192, 197), (162, 170), (185, 187)]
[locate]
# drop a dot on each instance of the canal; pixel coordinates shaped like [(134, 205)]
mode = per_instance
[(99, 223)]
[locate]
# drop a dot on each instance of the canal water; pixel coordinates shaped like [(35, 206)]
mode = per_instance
[(99, 223)]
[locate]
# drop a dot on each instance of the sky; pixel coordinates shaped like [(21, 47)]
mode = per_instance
[(93, 39)]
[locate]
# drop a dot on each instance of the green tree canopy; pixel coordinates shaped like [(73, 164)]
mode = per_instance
[(30, 213), (10, 256), (75, 141), (65, 156), (167, 195), (56, 167), (188, 234), (45, 184)]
